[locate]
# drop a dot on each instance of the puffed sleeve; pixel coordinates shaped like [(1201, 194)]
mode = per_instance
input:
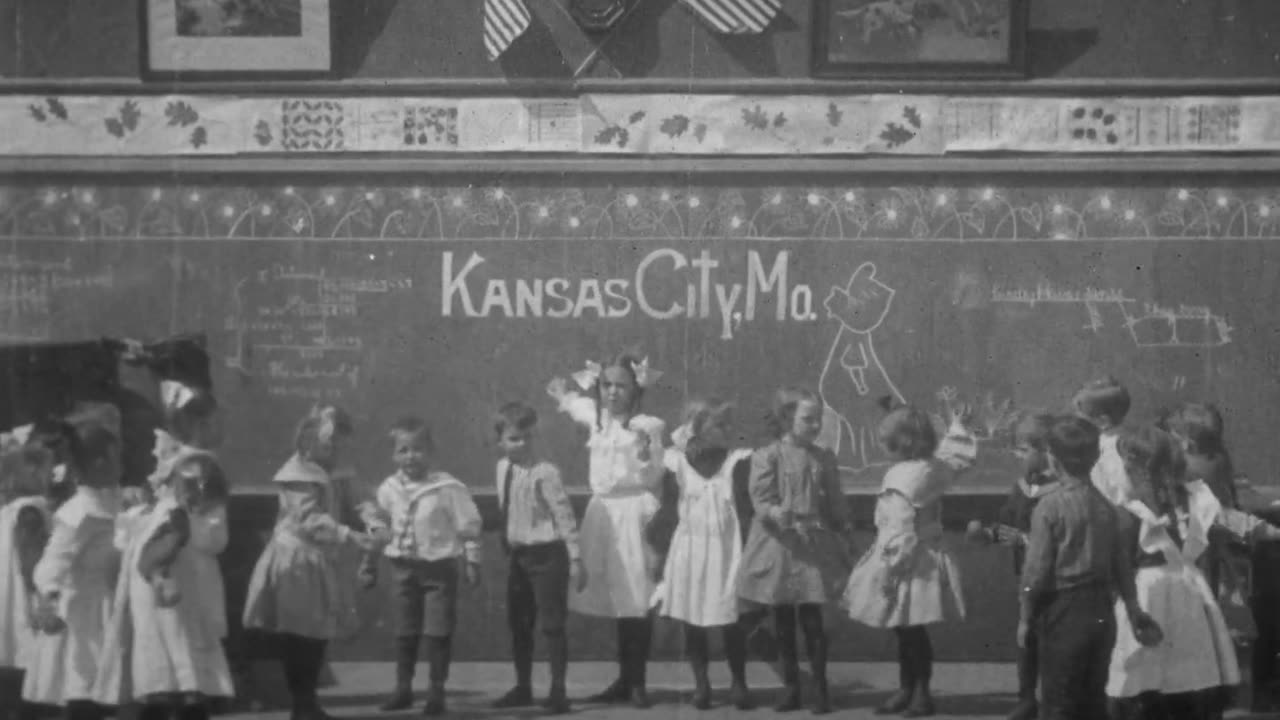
[(765, 497), (579, 407), (304, 514), (209, 530), (1245, 527)]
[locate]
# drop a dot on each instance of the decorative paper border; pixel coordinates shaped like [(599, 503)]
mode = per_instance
[(976, 213), (635, 124)]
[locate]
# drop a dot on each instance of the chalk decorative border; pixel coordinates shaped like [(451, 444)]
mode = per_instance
[(634, 124), (526, 212)]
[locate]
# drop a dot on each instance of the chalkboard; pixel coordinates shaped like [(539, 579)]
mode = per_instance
[(390, 299)]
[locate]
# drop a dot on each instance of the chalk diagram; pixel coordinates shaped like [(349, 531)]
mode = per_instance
[(853, 379), (1150, 325), (289, 315)]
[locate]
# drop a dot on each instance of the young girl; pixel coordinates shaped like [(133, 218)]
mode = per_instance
[(163, 648), (27, 473), (295, 590), (1187, 675), (1013, 523), (796, 555), (75, 577), (698, 582), (626, 471), (908, 579)]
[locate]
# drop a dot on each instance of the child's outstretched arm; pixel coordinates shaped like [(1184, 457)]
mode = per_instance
[(309, 519), (579, 407), (467, 520), (1245, 527)]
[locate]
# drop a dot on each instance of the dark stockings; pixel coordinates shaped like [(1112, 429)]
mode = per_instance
[(915, 671), (697, 648), (303, 660), (815, 637)]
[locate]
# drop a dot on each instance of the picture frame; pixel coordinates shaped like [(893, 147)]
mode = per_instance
[(237, 38), (920, 39)]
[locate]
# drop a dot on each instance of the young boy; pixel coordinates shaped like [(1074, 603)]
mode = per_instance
[(1105, 403), (433, 522), (1077, 564), (540, 533), (1013, 522)]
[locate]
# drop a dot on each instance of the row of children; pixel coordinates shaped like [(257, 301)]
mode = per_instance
[(689, 561), (1124, 539)]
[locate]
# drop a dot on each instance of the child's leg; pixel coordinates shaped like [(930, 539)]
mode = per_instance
[(898, 701), (695, 648), (620, 689), (784, 627), (440, 586), (735, 650), (640, 633), (1028, 679), (922, 659), (193, 706), (522, 609), (313, 652), (815, 641), (548, 571), (408, 604)]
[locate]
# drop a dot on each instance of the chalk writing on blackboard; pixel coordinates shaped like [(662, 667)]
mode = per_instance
[(1149, 324), (649, 290), (29, 289), (308, 325)]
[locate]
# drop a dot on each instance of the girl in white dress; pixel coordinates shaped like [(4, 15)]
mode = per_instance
[(75, 577), (626, 471), (164, 646), (27, 474), (699, 580), (1187, 675)]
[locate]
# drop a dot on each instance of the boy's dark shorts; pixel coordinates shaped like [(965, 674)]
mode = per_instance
[(538, 587), (426, 596)]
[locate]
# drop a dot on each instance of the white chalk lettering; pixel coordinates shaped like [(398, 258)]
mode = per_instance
[(589, 297), (528, 298), (802, 303), (616, 289), (457, 285), (496, 296), (642, 299), (758, 282), (556, 289), (726, 303)]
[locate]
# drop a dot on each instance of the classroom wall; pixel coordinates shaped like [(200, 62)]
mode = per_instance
[(421, 40)]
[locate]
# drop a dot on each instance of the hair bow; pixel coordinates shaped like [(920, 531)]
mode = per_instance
[(681, 436), (645, 375), (328, 425), (169, 451), (588, 376), (175, 395), (15, 439)]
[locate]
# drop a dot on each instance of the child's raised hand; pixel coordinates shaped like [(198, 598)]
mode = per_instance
[(557, 388), (471, 573), (578, 574)]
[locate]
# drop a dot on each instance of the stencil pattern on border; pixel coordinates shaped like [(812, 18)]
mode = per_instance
[(909, 213)]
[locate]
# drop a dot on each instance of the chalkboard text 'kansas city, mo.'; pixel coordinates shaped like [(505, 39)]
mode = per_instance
[(666, 284)]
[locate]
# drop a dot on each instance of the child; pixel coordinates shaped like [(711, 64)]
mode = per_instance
[(1105, 403), (1030, 439), (540, 533), (795, 557), (626, 471), (433, 524), (1076, 566), (164, 645), (28, 474), (704, 553), (295, 591), (75, 577), (908, 579), (1189, 674)]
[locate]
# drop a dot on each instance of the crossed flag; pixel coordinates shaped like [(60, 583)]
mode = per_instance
[(506, 20)]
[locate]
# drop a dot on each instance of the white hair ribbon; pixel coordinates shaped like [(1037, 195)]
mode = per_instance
[(15, 438), (168, 452), (174, 394), (645, 375), (588, 376)]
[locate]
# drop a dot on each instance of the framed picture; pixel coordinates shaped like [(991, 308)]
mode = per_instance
[(919, 39), (237, 37)]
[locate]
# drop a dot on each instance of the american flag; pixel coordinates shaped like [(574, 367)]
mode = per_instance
[(736, 17), (504, 21)]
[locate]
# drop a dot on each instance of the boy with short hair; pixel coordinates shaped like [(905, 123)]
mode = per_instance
[(540, 533), (434, 523), (1105, 403), (1076, 566)]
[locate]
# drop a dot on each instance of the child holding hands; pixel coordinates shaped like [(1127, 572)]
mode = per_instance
[(540, 535), (433, 524)]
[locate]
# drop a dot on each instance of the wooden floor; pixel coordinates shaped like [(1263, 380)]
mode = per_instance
[(969, 691)]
